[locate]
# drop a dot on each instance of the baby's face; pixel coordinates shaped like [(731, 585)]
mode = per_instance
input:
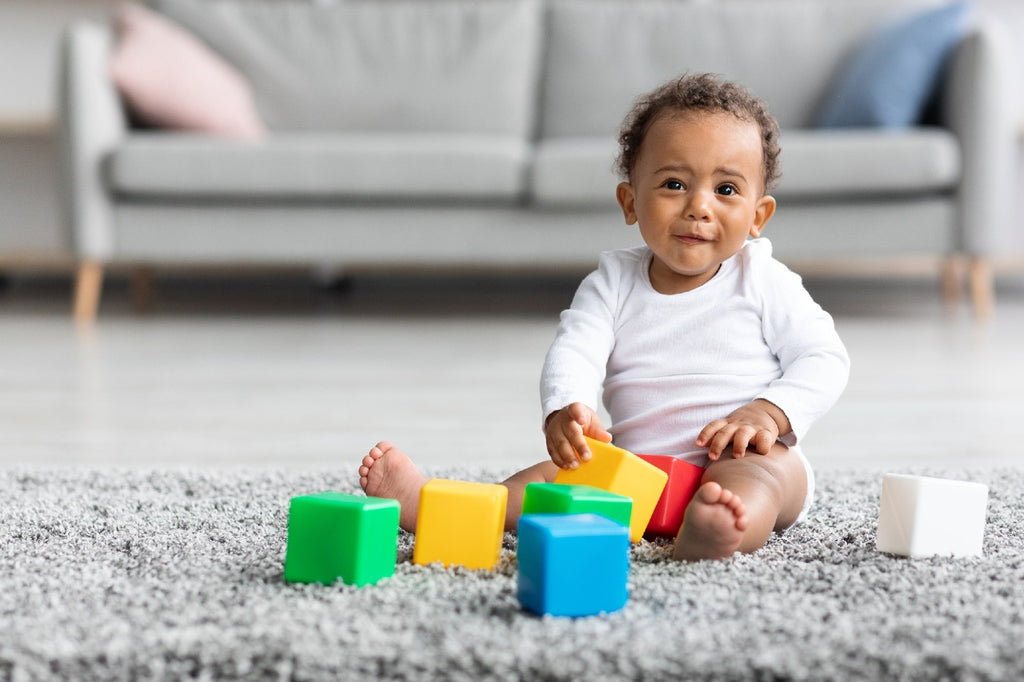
[(697, 193)]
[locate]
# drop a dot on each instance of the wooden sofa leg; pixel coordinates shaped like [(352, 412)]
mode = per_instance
[(142, 288), (982, 286), (88, 286), (952, 280)]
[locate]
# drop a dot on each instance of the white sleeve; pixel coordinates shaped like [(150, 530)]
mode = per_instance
[(576, 363), (814, 361)]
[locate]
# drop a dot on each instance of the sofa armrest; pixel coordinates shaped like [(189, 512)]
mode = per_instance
[(979, 107), (92, 122)]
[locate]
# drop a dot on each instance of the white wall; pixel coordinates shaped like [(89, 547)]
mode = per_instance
[(29, 216)]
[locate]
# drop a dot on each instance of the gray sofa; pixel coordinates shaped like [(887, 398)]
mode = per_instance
[(452, 133)]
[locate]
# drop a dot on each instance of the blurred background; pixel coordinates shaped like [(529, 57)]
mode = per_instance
[(31, 237), (306, 367)]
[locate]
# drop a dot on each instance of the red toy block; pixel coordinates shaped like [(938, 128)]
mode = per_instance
[(683, 481)]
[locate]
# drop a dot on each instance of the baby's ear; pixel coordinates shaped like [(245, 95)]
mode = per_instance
[(762, 214), (627, 201)]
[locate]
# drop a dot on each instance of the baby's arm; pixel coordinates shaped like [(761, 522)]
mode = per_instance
[(575, 367), (812, 357), (564, 432), (757, 425)]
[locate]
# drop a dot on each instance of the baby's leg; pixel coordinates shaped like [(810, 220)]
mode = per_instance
[(542, 472), (388, 472), (740, 503)]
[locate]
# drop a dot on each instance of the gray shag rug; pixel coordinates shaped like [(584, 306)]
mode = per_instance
[(111, 575)]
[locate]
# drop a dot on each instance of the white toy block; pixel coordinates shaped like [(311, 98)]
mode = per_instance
[(922, 516)]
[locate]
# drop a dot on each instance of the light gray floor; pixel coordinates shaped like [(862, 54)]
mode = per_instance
[(277, 373)]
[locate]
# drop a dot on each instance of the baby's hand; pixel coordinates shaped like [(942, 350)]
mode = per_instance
[(756, 425), (564, 432)]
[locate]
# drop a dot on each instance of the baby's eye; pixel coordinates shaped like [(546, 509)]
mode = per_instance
[(673, 185), (728, 190)]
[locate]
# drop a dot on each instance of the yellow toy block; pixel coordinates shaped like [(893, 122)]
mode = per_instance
[(460, 523), (623, 473)]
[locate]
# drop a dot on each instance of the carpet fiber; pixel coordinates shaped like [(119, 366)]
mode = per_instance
[(172, 574)]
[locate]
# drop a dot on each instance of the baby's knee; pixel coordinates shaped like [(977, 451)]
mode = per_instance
[(766, 473)]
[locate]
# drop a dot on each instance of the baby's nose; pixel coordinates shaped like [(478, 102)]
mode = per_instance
[(697, 207)]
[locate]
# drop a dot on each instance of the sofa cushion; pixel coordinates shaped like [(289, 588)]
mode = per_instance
[(321, 167), (815, 165), (574, 171), (370, 66), (890, 78), (604, 53), (841, 163), (169, 79)]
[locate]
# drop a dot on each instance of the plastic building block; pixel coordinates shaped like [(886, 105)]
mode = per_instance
[(683, 481), (922, 516), (623, 473), (334, 535), (460, 523), (572, 564), (559, 498)]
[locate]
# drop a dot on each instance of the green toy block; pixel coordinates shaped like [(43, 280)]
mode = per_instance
[(564, 498), (333, 535)]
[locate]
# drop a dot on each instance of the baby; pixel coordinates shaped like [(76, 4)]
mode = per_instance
[(704, 346)]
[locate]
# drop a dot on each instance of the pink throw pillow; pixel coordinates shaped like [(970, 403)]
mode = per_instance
[(171, 80)]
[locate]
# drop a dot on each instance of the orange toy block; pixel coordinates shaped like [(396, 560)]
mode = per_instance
[(460, 523), (683, 481), (623, 473)]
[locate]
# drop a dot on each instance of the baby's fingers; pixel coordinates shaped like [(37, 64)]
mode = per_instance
[(567, 446), (597, 432), (721, 440), (561, 450), (709, 431), (763, 441), (584, 423), (581, 453), (741, 440)]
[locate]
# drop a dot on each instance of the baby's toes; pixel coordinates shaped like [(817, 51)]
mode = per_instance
[(710, 492)]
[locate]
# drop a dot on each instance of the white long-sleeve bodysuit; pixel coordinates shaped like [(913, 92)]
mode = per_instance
[(670, 364)]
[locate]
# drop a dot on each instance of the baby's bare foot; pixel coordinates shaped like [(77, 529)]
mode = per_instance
[(713, 526), (388, 472)]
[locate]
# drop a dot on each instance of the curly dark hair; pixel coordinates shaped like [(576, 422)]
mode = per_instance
[(698, 92)]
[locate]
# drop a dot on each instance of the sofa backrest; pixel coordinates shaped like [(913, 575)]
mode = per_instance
[(602, 54), (371, 66), (558, 68)]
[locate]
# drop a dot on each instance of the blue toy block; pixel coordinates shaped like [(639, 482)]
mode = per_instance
[(572, 565)]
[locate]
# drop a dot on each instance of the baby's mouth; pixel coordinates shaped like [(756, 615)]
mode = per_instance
[(691, 239)]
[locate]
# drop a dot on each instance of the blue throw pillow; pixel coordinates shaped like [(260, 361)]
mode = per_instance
[(889, 80)]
